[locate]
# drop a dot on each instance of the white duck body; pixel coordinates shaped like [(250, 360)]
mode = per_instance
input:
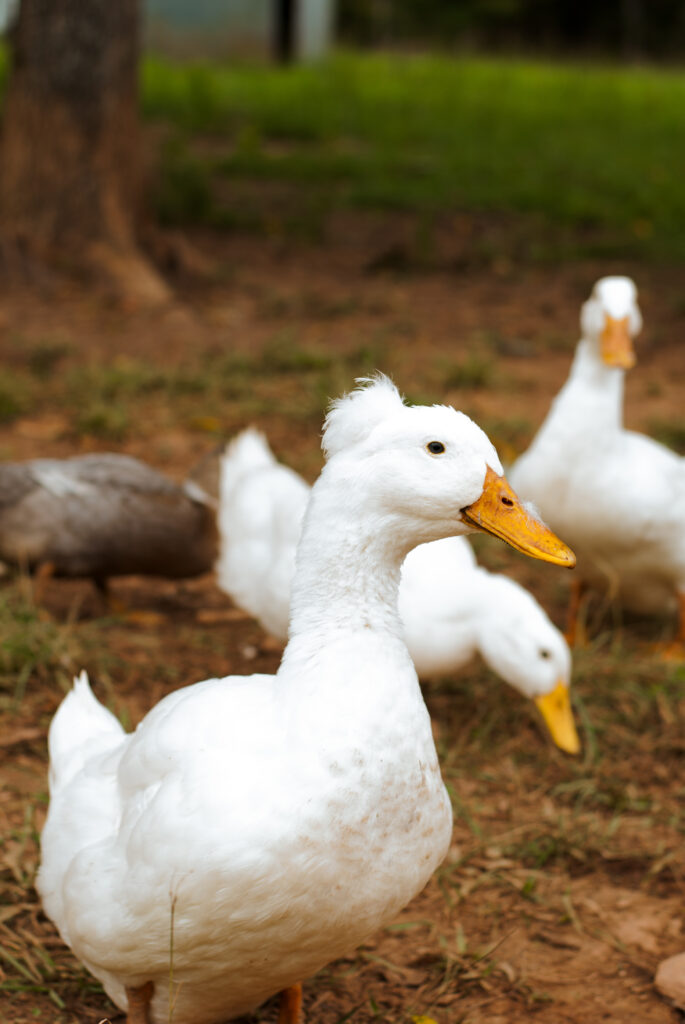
[(583, 467), (451, 608), (261, 507), (271, 823)]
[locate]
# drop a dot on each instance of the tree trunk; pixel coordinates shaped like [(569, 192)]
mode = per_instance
[(70, 175)]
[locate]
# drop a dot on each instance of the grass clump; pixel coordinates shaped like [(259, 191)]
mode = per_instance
[(16, 396), (123, 378), (110, 422), (669, 432), (282, 354), (476, 370), (32, 646), (43, 358), (182, 193)]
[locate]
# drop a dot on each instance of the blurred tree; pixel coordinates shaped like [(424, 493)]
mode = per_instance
[(70, 176)]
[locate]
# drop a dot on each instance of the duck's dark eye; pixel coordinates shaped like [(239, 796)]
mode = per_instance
[(545, 654), (435, 447)]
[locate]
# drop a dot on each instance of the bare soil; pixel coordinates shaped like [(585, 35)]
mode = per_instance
[(564, 885)]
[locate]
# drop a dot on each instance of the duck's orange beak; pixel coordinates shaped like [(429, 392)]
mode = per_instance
[(616, 344), (499, 511), (555, 708)]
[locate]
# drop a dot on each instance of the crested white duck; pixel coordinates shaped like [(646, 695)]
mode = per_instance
[(103, 515), (583, 466), (254, 828), (451, 608)]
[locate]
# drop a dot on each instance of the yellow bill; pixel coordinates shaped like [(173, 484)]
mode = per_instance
[(499, 511), (555, 708), (616, 344)]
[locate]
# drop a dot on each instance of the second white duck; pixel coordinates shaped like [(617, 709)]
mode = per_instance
[(617, 495), (451, 608)]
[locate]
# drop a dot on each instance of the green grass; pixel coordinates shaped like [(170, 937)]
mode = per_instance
[(476, 370), (670, 433), (209, 390), (34, 648), (592, 155), (15, 396)]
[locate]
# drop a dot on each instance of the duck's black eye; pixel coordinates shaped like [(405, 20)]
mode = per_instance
[(435, 447), (545, 653)]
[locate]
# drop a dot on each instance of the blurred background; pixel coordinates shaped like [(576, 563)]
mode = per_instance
[(221, 212), (327, 180)]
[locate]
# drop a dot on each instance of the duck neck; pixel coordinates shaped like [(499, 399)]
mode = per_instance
[(495, 596), (347, 567), (593, 394)]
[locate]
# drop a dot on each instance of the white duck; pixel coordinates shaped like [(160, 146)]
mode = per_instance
[(583, 466), (451, 608), (261, 826)]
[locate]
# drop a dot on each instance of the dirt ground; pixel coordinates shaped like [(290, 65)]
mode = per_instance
[(563, 888)]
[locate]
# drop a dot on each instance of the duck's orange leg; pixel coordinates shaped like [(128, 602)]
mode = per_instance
[(578, 589), (290, 1010), (675, 651), (680, 636), (139, 1003), (44, 572), (115, 606)]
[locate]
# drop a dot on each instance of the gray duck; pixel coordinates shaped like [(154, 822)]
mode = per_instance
[(103, 515)]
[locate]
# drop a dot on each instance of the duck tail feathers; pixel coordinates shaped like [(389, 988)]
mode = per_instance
[(81, 727), (247, 452)]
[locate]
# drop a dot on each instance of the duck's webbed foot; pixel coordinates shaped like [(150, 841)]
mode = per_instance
[(675, 651), (42, 575), (680, 636), (118, 607)]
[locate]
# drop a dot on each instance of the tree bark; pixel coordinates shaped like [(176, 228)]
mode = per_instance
[(70, 177)]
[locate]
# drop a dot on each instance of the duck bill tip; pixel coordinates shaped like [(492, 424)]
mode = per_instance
[(557, 714), (499, 511)]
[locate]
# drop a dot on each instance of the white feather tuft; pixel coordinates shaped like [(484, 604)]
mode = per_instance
[(351, 418), (246, 452), (80, 725)]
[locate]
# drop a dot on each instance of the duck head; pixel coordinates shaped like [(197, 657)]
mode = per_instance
[(520, 643), (433, 468), (611, 318)]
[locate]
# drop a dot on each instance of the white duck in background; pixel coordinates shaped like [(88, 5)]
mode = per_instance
[(451, 608), (261, 826), (261, 508), (583, 468)]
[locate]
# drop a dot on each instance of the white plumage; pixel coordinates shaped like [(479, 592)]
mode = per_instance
[(451, 608), (265, 825), (261, 508), (617, 495)]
